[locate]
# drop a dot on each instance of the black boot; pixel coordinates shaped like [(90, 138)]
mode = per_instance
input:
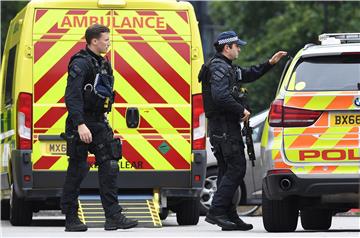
[(221, 220), (119, 221), (240, 224), (73, 223)]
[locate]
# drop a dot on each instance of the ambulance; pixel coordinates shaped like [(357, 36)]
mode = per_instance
[(156, 54), (310, 144)]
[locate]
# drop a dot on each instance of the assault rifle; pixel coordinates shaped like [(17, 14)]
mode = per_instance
[(247, 132)]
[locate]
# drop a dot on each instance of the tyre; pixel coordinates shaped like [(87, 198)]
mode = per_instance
[(20, 210), (316, 219), (5, 209), (279, 215), (164, 213), (188, 212)]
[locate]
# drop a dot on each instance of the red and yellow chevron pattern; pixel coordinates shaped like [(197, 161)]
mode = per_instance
[(151, 58)]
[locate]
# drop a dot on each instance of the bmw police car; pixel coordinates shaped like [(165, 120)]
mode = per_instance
[(310, 144)]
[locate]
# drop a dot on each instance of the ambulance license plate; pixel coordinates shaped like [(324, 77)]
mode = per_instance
[(56, 148), (343, 119)]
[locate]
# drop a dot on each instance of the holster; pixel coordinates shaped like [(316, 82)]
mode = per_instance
[(115, 149), (71, 143), (226, 144)]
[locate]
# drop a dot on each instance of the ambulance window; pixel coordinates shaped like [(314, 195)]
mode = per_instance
[(9, 78)]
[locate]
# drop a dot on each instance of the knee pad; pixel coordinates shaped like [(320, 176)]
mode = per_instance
[(115, 148)]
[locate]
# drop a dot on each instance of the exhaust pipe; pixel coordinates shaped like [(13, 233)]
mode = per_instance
[(285, 184)]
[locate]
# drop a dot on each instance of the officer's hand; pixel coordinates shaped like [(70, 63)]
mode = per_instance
[(85, 134), (246, 115), (277, 56)]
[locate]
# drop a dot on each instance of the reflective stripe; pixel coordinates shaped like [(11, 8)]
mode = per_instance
[(7, 134), (228, 40), (152, 70)]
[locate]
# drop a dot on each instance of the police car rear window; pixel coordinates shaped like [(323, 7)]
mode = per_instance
[(326, 73)]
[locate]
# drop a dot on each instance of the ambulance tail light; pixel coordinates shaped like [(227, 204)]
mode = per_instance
[(24, 121), (198, 123), (281, 116)]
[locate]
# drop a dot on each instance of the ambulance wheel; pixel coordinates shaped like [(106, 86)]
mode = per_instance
[(5, 209), (164, 212), (279, 215), (20, 210), (316, 219), (188, 212)]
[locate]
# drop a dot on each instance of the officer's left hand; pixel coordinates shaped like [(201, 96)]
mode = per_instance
[(277, 56), (246, 115)]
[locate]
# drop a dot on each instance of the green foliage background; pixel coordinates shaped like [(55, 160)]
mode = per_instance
[(9, 9), (272, 26)]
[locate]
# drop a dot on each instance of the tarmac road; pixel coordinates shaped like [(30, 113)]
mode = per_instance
[(50, 226)]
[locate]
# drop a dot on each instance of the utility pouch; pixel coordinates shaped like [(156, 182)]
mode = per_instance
[(230, 148), (99, 104), (103, 85), (116, 149), (71, 144), (89, 97)]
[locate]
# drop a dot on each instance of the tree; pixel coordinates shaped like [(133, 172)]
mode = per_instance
[(272, 26), (8, 12)]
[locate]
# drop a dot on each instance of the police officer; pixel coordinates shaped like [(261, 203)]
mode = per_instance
[(224, 109), (88, 97)]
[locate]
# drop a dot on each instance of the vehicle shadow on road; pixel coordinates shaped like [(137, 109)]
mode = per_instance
[(48, 222), (335, 230)]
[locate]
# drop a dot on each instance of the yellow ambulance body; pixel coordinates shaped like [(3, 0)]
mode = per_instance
[(156, 54)]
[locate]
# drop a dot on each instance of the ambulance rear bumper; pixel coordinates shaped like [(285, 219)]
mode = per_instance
[(45, 183)]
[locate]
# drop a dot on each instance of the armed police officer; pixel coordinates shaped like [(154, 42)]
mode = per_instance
[(224, 109), (88, 97)]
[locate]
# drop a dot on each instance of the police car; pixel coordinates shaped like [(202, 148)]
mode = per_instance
[(310, 144)]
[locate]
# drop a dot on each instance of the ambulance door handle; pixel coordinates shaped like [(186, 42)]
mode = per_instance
[(132, 117)]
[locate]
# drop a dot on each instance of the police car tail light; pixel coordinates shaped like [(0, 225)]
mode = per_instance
[(275, 114), (351, 53), (279, 171), (198, 123), (24, 121), (281, 116)]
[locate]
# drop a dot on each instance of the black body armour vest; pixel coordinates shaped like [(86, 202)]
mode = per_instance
[(211, 109), (96, 102)]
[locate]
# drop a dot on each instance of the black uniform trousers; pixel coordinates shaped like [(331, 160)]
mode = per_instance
[(228, 148), (78, 168)]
